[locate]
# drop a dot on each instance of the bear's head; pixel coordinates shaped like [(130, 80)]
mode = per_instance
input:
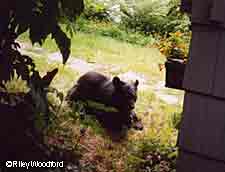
[(125, 94)]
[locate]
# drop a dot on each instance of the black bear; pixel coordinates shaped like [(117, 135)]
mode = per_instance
[(119, 95)]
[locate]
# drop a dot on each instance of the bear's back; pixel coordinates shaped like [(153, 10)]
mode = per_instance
[(93, 79), (95, 86)]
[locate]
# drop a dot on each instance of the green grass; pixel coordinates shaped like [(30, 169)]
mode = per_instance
[(65, 77), (104, 50)]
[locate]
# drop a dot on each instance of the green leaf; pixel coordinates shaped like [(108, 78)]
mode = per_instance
[(63, 43), (47, 79)]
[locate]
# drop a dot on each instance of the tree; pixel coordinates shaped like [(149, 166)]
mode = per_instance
[(41, 18)]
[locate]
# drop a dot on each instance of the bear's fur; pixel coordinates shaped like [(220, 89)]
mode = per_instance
[(113, 93)]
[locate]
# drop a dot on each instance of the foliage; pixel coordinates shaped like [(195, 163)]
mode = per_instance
[(16, 84), (37, 92), (11, 60), (141, 17), (177, 21), (150, 155), (156, 17), (104, 10), (175, 46), (41, 19), (176, 120), (113, 30), (95, 10)]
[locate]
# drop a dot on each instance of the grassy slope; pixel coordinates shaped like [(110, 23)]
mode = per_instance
[(103, 50), (106, 50)]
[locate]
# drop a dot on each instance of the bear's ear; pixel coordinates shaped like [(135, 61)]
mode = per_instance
[(116, 81), (136, 83)]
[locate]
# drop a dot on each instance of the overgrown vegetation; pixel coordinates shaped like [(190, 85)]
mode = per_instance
[(141, 15), (123, 38), (113, 30), (141, 22)]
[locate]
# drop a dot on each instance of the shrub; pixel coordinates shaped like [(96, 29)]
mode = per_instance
[(156, 16), (115, 31), (107, 10), (95, 10)]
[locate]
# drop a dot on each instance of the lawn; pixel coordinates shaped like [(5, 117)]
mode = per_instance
[(104, 50)]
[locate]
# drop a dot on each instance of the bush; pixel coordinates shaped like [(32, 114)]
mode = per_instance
[(95, 10), (115, 31), (156, 16), (106, 10)]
